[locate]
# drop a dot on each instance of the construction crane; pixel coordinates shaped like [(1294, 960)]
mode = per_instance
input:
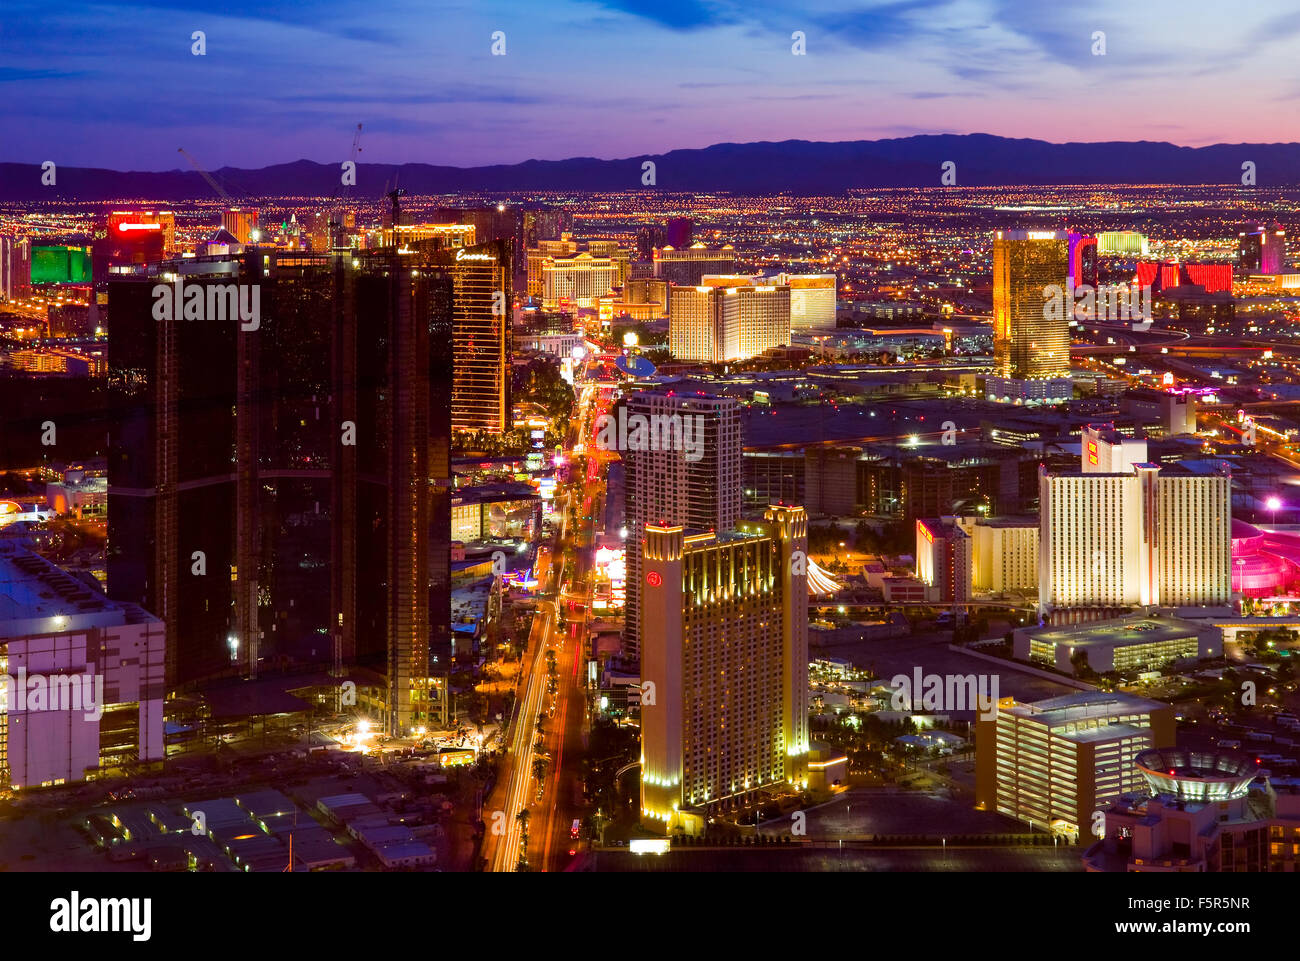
[(356, 149), (206, 176), (341, 195)]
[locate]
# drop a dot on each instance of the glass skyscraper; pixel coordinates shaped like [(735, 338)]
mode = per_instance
[(1031, 341)]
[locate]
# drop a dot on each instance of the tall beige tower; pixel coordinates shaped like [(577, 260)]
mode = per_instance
[(727, 318), (1140, 536), (790, 525), (724, 710), (1194, 551)]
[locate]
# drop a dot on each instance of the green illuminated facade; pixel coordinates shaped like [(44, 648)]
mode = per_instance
[(60, 265)]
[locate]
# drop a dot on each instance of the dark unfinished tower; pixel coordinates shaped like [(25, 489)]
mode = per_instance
[(279, 487)]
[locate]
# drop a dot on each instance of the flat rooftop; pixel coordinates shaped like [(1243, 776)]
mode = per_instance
[(1081, 705), (487, 493), (1117, 633), (1009, 520), (39, 597)]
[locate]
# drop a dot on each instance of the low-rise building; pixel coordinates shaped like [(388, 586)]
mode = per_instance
[(80, 493), (1123, 644), (495, 512), (901, 589), (1201, 811), (81, 676)]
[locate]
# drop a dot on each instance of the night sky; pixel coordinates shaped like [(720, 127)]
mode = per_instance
[(115, 84)]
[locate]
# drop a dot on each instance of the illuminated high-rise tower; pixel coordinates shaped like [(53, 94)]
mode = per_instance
[(578, 280), (508, 223), (726, 627), (1261, 249), (241, 222), (128, 226), (1083, 260), (812, 299), (1057, 761), (1138, 535), (1122, 242), (482, 325), (483, 336), (727, 318), (1031, 341), (538, 259), (15, 267)]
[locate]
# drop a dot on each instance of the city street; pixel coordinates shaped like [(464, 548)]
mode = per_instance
[(514, 790), (564, 593)]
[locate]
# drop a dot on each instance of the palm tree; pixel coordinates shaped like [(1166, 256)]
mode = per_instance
[(522, 817)]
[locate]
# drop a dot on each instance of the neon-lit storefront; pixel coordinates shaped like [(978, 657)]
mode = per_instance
[(610, 590)]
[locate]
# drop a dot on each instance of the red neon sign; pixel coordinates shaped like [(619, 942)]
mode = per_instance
[(653, 579)]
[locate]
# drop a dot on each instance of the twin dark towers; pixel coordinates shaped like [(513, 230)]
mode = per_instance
[(279, 493)]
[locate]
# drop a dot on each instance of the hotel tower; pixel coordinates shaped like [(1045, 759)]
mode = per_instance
[(724, 704), (1142, 535), (667, 487)]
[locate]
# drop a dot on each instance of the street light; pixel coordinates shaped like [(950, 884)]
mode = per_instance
[(1273, 504)]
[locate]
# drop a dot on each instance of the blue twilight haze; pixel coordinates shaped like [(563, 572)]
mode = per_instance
[(116, 84)]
